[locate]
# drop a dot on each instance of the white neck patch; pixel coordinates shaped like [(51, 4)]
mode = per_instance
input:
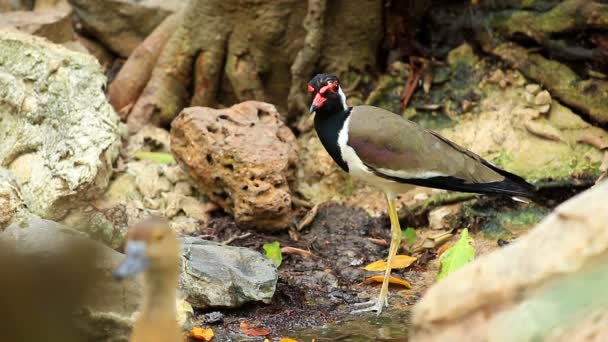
[(343, 98)]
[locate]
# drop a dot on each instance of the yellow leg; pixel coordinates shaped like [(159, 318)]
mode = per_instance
[(395, 242), (382, 301)]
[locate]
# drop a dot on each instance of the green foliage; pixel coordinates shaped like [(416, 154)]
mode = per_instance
[(409, 235), (457, 256), (273, 252), (157, 157)]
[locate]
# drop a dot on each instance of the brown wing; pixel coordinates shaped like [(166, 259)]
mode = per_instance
[(402, 150)]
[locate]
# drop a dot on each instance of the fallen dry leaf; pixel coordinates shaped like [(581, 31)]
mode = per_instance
[(391, 280), (443, 249), (205, 334), (400, 261), (433, 241), (250, 330)]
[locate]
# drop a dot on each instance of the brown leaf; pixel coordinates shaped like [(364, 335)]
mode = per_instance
[(250, 330), (399, 261), (391, 280), (204, 334), (443, 249)]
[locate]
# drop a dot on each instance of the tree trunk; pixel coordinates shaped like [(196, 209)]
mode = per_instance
[(231, 51)]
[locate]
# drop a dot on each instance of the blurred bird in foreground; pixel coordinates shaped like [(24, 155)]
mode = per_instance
[(41, 292), (152, 248)]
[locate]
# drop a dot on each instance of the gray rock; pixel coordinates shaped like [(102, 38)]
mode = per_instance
[(123, 24), (216, 275), (108, 303), (549, 284), (59, 134)]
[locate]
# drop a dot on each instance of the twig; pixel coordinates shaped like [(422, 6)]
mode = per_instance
[(236, 237), (308, 218), (411, 84), (296, 251), (379, 242)]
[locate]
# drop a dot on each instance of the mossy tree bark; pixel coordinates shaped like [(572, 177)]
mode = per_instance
[(226, 51), (571, 33)]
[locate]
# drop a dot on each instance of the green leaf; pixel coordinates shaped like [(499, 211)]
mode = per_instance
[(273, 252), (457, 256), (409, 235), (157, 157)]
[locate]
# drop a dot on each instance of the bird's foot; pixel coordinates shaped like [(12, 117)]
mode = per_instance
[(375, 304)]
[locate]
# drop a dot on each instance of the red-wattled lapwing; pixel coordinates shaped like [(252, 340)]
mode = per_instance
[(390, 152)]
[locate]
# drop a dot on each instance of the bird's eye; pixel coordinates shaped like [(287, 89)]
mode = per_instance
[(159, 237), (311, 89)]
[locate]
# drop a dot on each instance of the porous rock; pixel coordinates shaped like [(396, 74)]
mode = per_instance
[(549, 283), (122, 24), (216, 275), (242, 158), (59, 134)]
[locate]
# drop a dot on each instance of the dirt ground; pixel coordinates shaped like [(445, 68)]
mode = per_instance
[(315, 294)]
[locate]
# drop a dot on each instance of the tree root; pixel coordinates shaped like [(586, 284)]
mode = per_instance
[(307, 58), (224, 52), (567, 16), (132, 78)]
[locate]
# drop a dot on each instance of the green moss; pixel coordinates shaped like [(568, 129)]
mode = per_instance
[(503, 222)]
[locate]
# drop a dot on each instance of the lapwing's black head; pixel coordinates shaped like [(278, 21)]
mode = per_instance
[(327, 95)]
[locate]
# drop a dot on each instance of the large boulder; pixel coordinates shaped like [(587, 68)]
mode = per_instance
[(549, 285), (122, 24), (54, 24), (243, 158), (10, 198), (104, 306), (216, 275), (59, 134), (16, 5)]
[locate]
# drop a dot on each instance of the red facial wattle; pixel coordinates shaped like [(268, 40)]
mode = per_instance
[(332, 86), (319, 100)]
